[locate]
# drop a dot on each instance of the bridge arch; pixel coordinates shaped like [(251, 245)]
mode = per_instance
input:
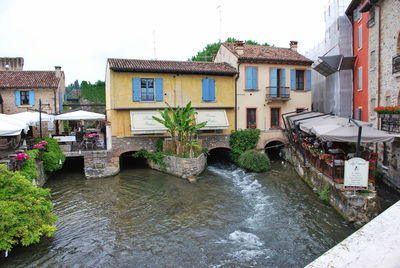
[(273, 147), (127, 161)]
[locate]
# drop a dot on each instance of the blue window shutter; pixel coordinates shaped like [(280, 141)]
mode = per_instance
[(274, 83), (17, 98), (212, 90), (206, 89), (283, 82), (308, 80), (60, 101), (136, 89), (249, 76), (159, 89), (293, 79), (31, 97), (255, 78)]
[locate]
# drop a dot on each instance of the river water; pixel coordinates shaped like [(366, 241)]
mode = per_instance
[(144, 218)]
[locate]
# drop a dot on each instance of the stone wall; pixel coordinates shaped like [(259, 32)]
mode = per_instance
[(358, 209), (42, 174), (182, 167), (215, 141), (97, 164)]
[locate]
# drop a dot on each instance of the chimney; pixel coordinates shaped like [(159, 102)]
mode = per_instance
[(293, 45), (58, 71), (239, 47)]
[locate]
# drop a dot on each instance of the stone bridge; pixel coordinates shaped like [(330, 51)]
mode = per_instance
[(107, 162)]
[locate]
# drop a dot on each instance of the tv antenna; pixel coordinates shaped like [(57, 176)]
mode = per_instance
[(154, 43), (220, 21)]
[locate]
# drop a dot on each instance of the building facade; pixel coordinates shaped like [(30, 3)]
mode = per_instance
[(24, 90), (137, 89), (384, 76), (360, 22), (271, 81)]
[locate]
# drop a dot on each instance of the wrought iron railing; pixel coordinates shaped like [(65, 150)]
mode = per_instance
[(390, 122), (396, 64), (282, 93)]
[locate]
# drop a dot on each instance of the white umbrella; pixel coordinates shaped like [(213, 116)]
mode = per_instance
[(80, 115), (9, 129), (10, 126), (32, 118)]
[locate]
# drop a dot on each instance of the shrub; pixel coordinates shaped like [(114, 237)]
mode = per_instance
[(324, 194), (243, 140), (25, 211), (254, 161), (29, 170), (156, 158), (159, 145), (51, 158)]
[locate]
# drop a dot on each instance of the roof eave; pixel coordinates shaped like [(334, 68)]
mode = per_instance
[(118, 69), (274, 61)]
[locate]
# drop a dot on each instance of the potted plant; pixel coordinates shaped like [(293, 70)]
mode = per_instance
[(20, 158)]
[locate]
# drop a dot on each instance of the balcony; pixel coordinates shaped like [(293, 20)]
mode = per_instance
[(277, 94), (396, 64)]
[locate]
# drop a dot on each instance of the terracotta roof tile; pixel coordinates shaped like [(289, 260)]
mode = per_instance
[(158, 66), (28, 79), (268, 54)]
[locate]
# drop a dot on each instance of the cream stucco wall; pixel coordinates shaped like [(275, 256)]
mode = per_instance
[(257, 98)]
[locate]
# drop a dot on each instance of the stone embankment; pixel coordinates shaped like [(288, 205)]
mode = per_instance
[(358, 209), (182, 167)]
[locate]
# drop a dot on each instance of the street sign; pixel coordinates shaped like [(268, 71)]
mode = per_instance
[(356, 174)]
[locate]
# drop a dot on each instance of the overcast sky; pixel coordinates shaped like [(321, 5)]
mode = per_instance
[(79, 35)]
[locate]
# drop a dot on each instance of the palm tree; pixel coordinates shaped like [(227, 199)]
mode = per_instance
[(181, 122)]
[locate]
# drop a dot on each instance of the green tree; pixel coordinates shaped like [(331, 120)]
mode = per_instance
[(207, 54), (94, 92), (25, 211)]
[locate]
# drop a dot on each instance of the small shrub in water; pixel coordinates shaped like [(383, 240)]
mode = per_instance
[(254, 161)]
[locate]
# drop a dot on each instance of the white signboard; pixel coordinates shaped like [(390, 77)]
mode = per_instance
[(216, 119), (142, 122), (356, 174), (65, 138)]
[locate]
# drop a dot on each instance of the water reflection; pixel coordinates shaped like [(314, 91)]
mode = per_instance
[(145, 218)]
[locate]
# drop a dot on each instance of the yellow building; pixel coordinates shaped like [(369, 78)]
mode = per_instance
[(271, 81), (136, 89)]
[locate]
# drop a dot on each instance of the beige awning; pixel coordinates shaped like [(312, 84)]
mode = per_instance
[(142, 122), (216, 119)]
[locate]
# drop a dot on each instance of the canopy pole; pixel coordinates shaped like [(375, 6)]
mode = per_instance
[(284, 122), (359, 136), (40, 117)]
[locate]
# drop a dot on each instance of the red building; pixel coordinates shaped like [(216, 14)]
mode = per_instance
[(360, 50)]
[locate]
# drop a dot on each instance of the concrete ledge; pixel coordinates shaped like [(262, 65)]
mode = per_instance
[(374, 245)]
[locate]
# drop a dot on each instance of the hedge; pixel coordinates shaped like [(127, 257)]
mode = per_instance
[(254, 161)]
